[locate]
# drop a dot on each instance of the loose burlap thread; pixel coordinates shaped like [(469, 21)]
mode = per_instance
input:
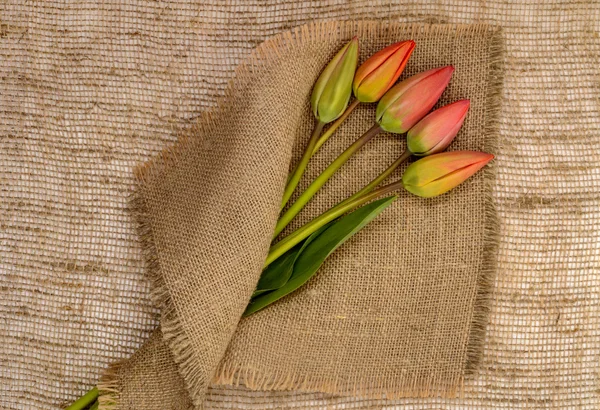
[(90, 89), (398, 311)]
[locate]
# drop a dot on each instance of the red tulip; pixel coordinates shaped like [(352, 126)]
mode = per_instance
[(407, 102), (379, 73), (435, 132)]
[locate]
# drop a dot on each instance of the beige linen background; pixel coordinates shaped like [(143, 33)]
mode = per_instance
[(90, 89)]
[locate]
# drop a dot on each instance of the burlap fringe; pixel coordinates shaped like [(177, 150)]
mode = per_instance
[(229, 374), (108, 388), (174, 332), (487, 273)]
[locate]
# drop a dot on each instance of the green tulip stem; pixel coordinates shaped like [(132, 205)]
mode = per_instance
[(312, 189), (95, 406), (305, 231), (332, 128), (299, 171), (85, 400), (335, 125), (374, 183)]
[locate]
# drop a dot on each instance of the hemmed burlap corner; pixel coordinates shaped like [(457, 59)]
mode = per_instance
[(400, 310)]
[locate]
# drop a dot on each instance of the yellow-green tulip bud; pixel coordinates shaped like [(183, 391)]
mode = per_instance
[(437, 174), (333, 88)]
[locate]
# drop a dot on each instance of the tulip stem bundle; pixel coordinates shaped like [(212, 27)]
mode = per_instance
[(357, 199), (306, 230), (312, 189), (379, 179)]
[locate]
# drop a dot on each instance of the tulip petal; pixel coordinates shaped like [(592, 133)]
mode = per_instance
[(375, 61), (321, 82), (333, 88), (435, 132), (406, 103), (376, 75), (439, 173), (396, 91)]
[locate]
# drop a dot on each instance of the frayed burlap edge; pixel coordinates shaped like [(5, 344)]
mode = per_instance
[(109, 388), (173, 331), (487, 273)]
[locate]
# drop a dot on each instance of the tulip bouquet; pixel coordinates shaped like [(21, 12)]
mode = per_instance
[(402, 108)]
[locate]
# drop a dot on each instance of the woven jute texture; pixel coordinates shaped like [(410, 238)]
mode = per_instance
[(88, 90), (398, 311)]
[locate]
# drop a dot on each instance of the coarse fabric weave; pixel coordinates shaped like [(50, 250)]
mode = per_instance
[(398, 311), (88, 90)]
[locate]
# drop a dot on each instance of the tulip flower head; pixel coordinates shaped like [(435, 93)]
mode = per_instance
[(437, 174), (379, 73), (435, 132), (333, 88), (408, 101)]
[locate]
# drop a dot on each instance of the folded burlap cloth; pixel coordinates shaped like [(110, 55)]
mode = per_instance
[(399, 310)]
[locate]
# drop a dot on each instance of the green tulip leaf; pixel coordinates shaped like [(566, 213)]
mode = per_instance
[(279, 272), (322, 244)]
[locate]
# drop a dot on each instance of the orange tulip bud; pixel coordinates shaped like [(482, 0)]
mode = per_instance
[(379, 73), (333, 88), (435, 132), (408, 101), (437, 174)]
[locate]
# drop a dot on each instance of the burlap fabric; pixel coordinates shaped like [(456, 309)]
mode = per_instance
[(89, 90), (398, 311)]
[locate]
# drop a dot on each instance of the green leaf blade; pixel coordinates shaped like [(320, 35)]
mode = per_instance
[(279, 272), (322, 244)]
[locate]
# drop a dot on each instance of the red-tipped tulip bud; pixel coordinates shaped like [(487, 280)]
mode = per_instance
[(333, 88), (408, 101), (437, 174), (379, 73), (435, 132)]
